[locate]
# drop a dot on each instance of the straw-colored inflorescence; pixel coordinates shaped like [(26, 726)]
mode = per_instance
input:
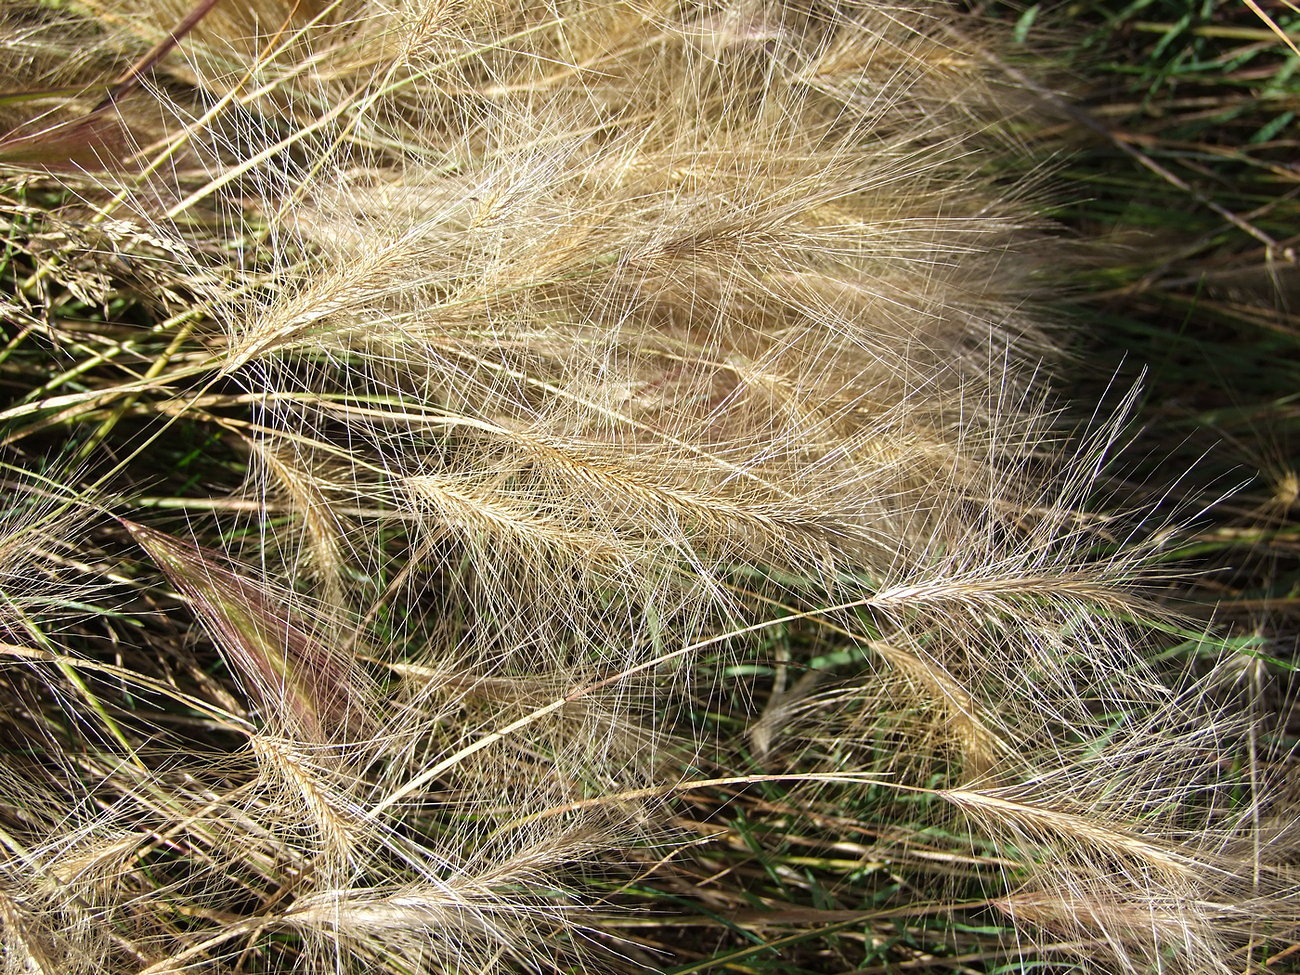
[(574, 407)]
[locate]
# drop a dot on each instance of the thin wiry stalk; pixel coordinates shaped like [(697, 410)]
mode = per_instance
[(522, 423)]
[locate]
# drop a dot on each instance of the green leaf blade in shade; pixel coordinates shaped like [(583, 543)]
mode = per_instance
[(299, 682)]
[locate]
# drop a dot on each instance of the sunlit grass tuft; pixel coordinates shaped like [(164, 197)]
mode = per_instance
[(586, 486)]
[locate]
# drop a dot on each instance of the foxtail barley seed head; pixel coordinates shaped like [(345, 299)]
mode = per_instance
[(530, 416)]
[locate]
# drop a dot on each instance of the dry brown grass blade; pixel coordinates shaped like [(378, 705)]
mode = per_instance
[(136, 72)]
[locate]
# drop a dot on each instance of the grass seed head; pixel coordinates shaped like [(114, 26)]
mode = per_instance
[(599, 401)]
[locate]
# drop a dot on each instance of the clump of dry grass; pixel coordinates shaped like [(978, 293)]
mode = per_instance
[(573, 408)]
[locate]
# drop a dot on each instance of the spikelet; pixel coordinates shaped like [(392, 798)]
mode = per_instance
[(557, 373)]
